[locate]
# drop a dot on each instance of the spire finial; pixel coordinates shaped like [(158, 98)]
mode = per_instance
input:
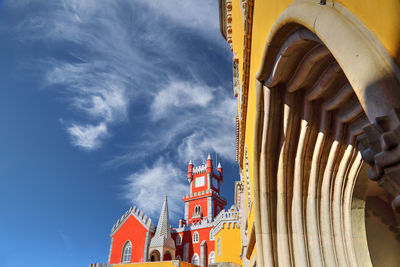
[(190, 162), (209, 156), (219, 165)]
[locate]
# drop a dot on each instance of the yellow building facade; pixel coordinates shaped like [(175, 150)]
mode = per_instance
[(174, 263), (227, 242), (317, 84)]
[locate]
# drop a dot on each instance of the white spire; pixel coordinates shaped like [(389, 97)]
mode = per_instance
[(219, 165), (162, 237), (209, 156), (163, 226), (190, 162)]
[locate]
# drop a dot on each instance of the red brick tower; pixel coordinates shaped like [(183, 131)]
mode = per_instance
[(204, 200)]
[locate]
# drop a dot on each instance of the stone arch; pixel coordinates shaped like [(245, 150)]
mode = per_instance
[(167, 256), (316, 98), (155, 255)]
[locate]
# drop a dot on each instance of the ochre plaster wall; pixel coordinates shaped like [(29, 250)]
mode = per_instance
[(382, 20), (230, 245), (157, 264)]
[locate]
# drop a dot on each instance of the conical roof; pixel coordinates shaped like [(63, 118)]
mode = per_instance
[(163, 226), (162, 237)]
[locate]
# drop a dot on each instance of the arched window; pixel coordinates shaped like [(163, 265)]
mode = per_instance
[(195, 237), (195, 259), (211, 235), (178, 240), (211, 257), (127, 252)]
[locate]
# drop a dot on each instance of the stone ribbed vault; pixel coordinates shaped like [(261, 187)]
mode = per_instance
[(306, 159)]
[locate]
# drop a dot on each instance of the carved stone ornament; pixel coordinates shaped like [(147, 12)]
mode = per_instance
[(379, 147)]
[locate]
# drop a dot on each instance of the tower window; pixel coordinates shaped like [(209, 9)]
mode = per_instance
[(127, 252), (197, 211), (195, 237)]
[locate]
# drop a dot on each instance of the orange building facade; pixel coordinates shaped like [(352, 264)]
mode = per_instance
[(135, 239)]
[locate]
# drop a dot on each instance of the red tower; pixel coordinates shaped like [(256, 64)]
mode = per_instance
[(204, 200)]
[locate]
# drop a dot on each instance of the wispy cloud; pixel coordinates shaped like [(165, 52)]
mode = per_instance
[(147, 187), (180, 95), (114, 60), (87, 136)]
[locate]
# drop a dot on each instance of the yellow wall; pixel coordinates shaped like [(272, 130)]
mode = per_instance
[(230, 245), (147, 264), (382, 18), (156, 264)]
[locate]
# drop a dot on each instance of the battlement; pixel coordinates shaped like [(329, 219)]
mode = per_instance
[(200, 169), (203, 193), (139, 215), (204, 223), (229, 218)]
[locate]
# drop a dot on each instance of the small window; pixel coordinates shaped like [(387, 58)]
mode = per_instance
[(178, 240), (127, 252), (195, 259), (211, 235), (195, 237), (219, 246), (211, 258)]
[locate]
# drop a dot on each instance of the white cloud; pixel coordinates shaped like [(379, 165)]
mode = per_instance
[(87, 136), (112, 56), (180, 94), (147, 188), (201, 16)]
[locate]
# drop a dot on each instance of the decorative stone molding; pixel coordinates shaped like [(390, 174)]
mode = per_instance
[(247, 179), (379, 147), (229, 218), (225, 18)]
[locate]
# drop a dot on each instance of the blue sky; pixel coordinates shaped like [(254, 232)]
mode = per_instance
[(102, 105)]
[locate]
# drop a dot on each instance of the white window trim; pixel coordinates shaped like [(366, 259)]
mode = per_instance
[(212, 237), (219, 246), (127, 243), (209, 257), (198, 237), (178, 238), (198, 259)]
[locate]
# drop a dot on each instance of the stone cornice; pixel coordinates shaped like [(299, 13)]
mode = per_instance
[(246, 75)]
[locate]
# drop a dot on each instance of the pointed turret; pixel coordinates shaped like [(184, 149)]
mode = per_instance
[(219, 168), (190, 171), (163, 226), (209, 164), (162, 240)]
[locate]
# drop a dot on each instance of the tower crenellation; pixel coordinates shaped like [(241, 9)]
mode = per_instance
[(204, 200)]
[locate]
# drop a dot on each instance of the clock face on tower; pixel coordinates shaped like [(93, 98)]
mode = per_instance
[(200, 181), (215, 183)]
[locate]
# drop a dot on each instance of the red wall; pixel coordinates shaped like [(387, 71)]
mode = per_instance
[(204, 234), (133, 231)]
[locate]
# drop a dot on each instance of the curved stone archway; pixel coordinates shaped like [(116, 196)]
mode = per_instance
[(313, 110), (155, 255)]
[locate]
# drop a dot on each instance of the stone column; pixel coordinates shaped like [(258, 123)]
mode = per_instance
[(146, 247)]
